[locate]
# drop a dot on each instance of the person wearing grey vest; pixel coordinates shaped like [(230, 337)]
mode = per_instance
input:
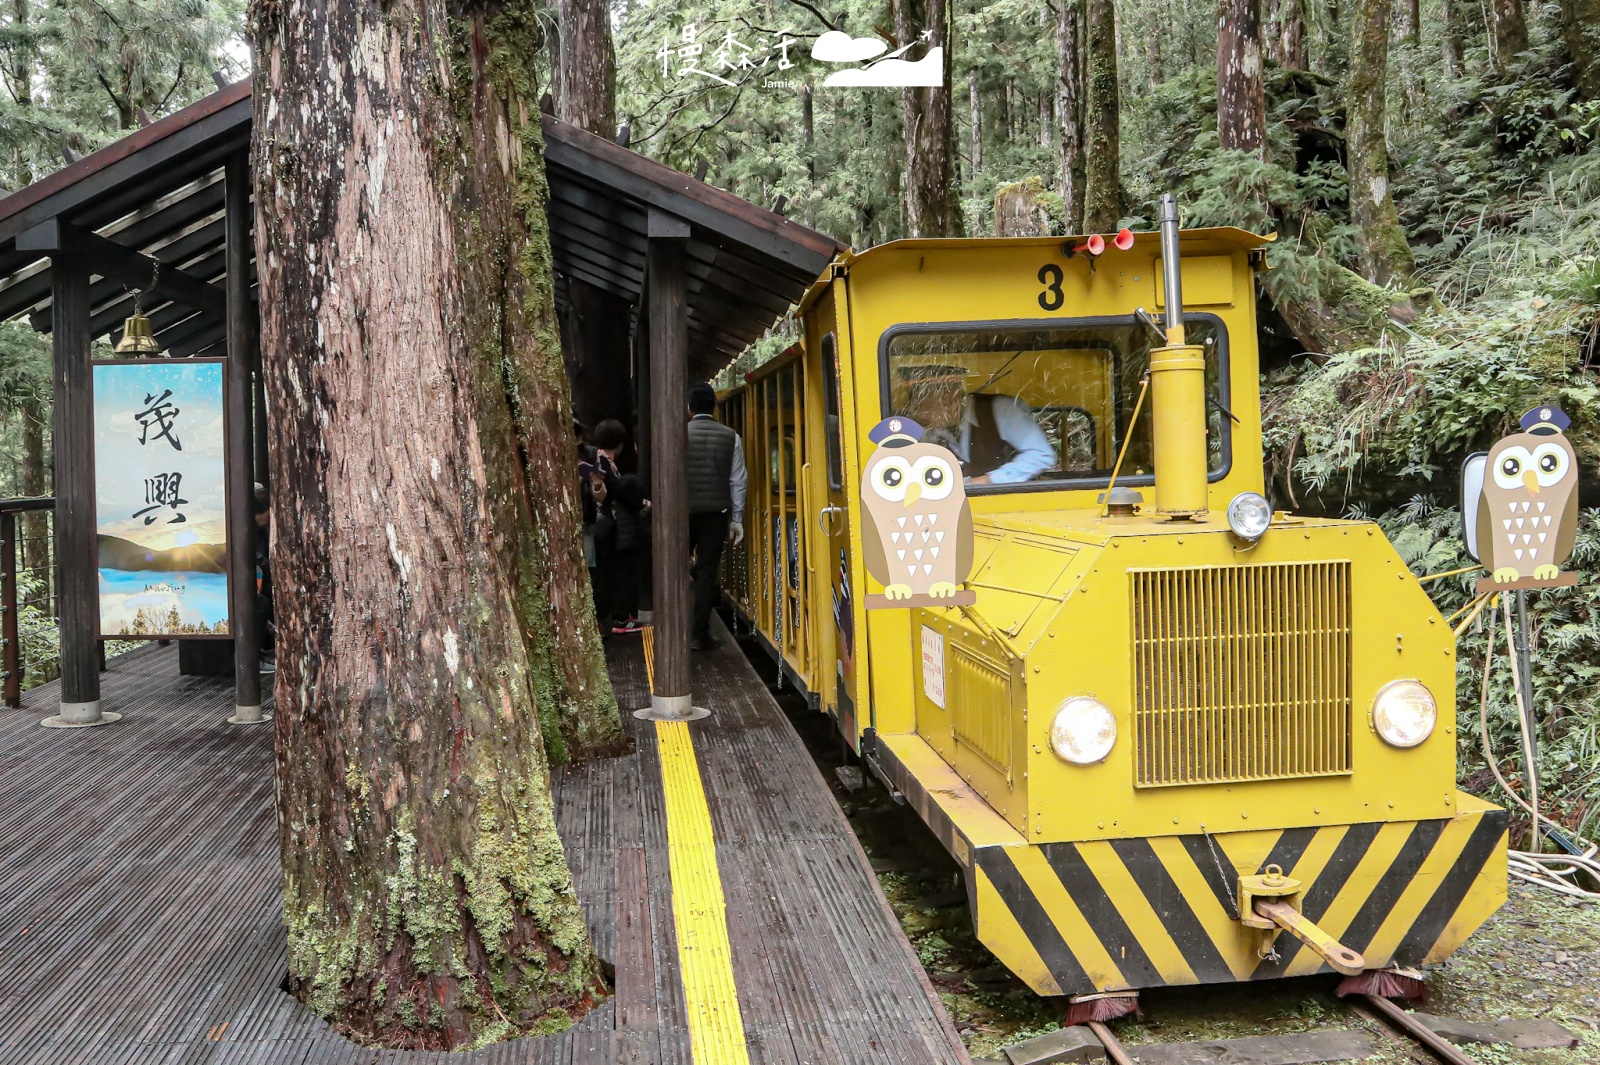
[(715, 476)]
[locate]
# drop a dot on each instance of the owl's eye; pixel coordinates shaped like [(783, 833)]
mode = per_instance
[(1510, 466), (936, 474), (1549, 463), (888, 481)]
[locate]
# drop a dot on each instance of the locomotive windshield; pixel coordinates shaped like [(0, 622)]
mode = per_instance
[(1042, 405)]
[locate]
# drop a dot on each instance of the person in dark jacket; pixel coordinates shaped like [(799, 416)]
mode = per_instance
[(620, 538), (266, 631), (716, 479)]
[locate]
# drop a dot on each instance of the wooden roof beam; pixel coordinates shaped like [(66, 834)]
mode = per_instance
[(110, 259)]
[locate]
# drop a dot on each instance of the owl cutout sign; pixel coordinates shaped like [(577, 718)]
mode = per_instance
[(1527, 505), (917, 535)]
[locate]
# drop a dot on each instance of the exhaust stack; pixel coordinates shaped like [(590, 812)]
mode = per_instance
[(1177, 394)]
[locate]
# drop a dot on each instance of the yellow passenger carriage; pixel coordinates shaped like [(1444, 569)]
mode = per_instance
[(1169, 724)]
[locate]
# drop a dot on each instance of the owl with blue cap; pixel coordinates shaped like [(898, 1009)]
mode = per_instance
[(917, 536), (1528, 512)]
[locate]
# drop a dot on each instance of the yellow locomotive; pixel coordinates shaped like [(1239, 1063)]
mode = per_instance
[(1161, 724)]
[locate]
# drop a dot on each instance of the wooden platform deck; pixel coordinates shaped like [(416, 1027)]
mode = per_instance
[(140, 914)]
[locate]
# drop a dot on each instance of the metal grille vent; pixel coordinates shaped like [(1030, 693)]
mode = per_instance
[(1241, 673), (980, 703)]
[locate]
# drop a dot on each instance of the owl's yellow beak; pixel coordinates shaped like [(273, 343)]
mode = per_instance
[(1531, 480), (913, 493)]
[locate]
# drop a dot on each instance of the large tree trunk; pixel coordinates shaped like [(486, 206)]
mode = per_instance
[(587, 95), (1102, 148), (1510, 32), (933, 208), (1580, 26), (1069, 96), (431, 605), (1451, 42), (1241, 99), (1383, 251), (1290, 40)]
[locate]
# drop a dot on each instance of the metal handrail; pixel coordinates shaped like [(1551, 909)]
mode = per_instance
[(10, 642)]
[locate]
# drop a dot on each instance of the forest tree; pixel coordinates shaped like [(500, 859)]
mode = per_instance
[(433, 642), (1102, 139), (1382, 245)]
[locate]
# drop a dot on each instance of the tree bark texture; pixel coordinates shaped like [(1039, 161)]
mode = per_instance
[(1510, 32), (432, 604), (933, 206), (1290, 39), (1382, 249), (1102, 142), (1241, 98), (587, 95), (975, 106), (1069, 105), (1580, 27), (1452, 44), (808, 130)]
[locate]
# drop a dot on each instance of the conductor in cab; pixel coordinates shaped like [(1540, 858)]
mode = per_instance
[(994, 436)]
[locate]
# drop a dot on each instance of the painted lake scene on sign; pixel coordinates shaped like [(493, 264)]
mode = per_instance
[(159, 501)]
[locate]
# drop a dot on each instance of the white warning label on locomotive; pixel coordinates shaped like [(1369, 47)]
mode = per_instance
[(933, 666)]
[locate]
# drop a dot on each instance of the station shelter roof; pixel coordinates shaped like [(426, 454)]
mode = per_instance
[(157, 193)]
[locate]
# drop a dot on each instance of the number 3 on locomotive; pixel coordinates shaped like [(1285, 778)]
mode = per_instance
[(1050, 276)]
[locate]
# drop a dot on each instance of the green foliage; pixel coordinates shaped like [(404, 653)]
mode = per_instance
[(77, 72)]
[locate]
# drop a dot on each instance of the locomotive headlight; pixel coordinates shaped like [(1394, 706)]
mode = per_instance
[(1249, 515), (1404, 713), (1083, 731)]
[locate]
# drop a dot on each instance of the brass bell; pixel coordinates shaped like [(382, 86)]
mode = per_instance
[(137, 337)]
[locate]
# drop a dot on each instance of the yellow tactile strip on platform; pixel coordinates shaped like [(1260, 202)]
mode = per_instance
[(699, 911)]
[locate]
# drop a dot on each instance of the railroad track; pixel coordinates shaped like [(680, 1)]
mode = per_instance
[(1375, 1008)]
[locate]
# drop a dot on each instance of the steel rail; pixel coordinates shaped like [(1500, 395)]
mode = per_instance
[(1415, 1029)]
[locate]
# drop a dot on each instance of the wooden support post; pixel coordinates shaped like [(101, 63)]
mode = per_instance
[(8, 603), (77, 585), (239, 396), (669, 497)]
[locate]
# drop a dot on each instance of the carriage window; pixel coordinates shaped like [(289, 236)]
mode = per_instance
[(830, 388), (1044, 406)]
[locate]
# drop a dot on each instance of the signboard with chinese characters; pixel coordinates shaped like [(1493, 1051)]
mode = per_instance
[(160, 508)]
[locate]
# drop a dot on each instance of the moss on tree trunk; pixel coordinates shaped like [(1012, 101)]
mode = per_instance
[(1383, 251), (1580, 27), (1102, 141), (431, 601)]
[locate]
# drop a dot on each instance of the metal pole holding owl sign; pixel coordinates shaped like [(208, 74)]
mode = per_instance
[(1520, 505), (917, 536)]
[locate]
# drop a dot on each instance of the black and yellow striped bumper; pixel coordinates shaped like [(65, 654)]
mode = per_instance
[(1074, 918)]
